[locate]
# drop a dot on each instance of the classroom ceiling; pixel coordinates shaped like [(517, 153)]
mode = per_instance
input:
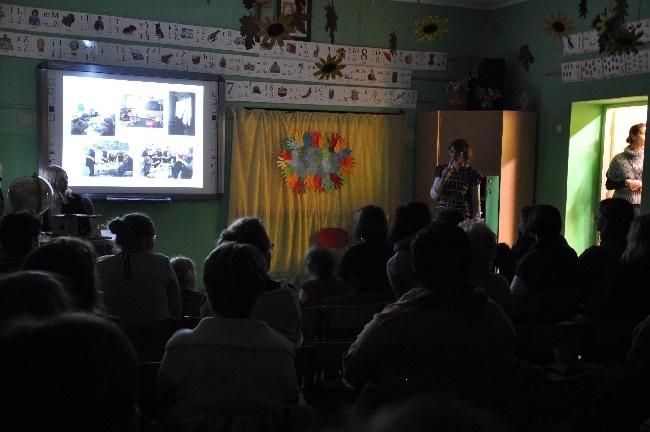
[(470, 4)]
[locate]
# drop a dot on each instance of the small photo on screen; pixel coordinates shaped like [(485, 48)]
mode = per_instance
[(142, 111), (182, 113), (88, 121), (108, 159)]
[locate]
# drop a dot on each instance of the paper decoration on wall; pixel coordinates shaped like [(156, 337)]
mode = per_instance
[(300, 18), (430, 28), (249, 30), (465, 67), (582, 8), (525, 57), (315, 161), (392, 44), (331, 68), (604, 25), (626, 41), (558, 26), (332, 18), (276, 30)]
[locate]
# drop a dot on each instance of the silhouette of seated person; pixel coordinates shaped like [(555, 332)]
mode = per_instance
[(185, 271), (597, 263), (445, 338), (72, 372), (108, 127), (551, 265), (407, 220), (481, 269), (231, 363), (79, 128), (19, 234), (363, 265), (525, 238), (323, 282), (32, 293), (65, 201), (279, 306), (628, 289), (73, 258)]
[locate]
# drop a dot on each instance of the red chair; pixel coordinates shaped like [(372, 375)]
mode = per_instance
[(333, 237)]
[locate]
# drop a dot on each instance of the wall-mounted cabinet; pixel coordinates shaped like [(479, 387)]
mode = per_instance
[(503, 144)]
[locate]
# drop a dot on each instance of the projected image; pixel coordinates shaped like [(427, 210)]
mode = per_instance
[(143, 111), (182, 112), (86, 118), (108, 158)]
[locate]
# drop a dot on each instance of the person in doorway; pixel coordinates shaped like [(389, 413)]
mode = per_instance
[(456, 183), (625, 172)]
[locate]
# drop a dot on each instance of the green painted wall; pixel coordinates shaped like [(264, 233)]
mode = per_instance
[(191, 227)]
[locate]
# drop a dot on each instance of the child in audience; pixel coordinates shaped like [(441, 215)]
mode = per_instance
[(19, 232), (31, 294), (185, 271), (231, 363), (323, 283)]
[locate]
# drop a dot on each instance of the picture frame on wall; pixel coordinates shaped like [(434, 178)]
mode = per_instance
[(288, 7)]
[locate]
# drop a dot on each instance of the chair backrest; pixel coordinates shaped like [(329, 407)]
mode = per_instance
[(319, 362), (192, 309), (309, 323), (343, 323)]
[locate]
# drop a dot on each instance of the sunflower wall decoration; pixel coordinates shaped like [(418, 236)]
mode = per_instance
[(315, 161), (430, 28), (626, 41), (276, 30), (329, 68), (558, 26)]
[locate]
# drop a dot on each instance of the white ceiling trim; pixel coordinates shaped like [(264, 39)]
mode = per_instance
[(468, 4)]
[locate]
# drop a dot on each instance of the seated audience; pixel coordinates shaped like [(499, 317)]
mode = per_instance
[(230, 363), (551, 265), (407, 220), (451, 215), (73, 372), (19, 232), (637, 361), (525, 238), (363, 265), (185, 271), (279, 307), (34, 294), (137, 284), (65, 201), (504, 262), (73, 258), (481, 269), (628, 291), (323, 283), (444, 338), (597, 263)]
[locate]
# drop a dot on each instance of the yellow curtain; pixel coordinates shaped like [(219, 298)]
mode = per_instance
[(258, 187)]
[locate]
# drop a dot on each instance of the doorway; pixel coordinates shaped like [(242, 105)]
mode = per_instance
[(593, 142)]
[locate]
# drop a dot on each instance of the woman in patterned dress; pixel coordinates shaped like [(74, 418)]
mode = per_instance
[(625, 171)]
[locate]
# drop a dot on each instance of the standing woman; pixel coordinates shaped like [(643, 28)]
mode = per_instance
[(625, 172), (137, 284), (457, 184), (65, 201)]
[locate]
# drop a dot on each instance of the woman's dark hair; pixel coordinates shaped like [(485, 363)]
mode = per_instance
[(69, 372), (525, 213), (617, 214), (184, 269), (634, 131), (18, 231), (441, 254), (638, 242), (248, 230), (462, 146), (73, 258), (545, 221), (408, 219), (32, 293), (134, 231), (234, 275), (320, 262), (370, 223)]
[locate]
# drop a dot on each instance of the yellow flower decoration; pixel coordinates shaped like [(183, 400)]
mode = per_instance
[(558, 26), (625, 42), (329, 68), (430, 28), (603, 21), (276, 30)]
